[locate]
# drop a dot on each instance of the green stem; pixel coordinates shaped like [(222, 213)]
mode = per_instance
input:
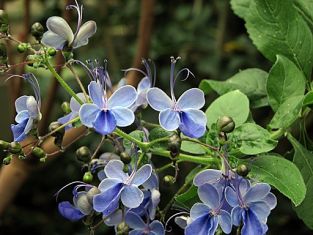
[(162, 168), (63, 83), (144, 146), (205, 159), (277, 134), (163, 139), (199, 142)]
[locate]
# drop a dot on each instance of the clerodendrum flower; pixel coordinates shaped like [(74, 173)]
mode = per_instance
[(60, 35), (104, 114), (120, 185), (183, 113), (28, 110)]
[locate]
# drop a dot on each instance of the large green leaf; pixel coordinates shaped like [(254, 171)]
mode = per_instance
[(305, 8), (275, 27), (157, 133), (285, 80), (308, 99), (287, 113), (188, 198), (251, 82), (192, 147), (252, 139), (303, 158), (234, 104), (280, 173)]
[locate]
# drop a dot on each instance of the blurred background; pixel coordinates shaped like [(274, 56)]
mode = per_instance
[(213, 44)]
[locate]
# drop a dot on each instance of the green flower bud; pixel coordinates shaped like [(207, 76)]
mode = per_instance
[(122, 229), (52, 51), (83, 204), (66, 107), (38, 152), (88, 177), (92, 192), (22, 47), (242, 170), (83, 154), (125, 158), (21, 157), (37, 30), (226, 124), (4, 22), (174, 144), (67, 55), (4, 145), (54, 126), (169, 180), (15, 148), (7, 160)]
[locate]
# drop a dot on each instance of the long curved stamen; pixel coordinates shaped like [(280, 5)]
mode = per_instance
[(79, 9), (64, 187), (172, 78), (173, 216), (133, 69), (32, 80), (75, 189), (89, 72), (187, 75)]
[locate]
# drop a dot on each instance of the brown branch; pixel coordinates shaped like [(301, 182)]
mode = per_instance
[(144, 38)]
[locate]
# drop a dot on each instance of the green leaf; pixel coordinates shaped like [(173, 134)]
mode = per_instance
[(274, 27), (188, 199), (303, 158), (251, 82), (308, 99), (157, 133), (234, 104), (305, 8), (240, 7), (192, 147), (139, 135), (192, 173), (252, 139), (287, 113), (285, 80), (280, 173)]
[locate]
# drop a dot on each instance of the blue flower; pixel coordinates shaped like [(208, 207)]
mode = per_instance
[(205, 217), (251, 205), (60, 35), (28, 110), (120, 185), (183, 113), (74, 106), (104, 114), (135, 222)]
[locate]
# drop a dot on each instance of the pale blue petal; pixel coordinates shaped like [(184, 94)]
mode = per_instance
[(144, 84), (142, 175), (136, 232), (198, 210), (125, 96), (271, 200), (68, 211), (29, 126), (231, 197), (88, 114), (209, 196), (181, 221), (85, 32), (157, 227), (152, 182), (200, 226), (20, 103), (193, 123), (32, 107), (169, 119), (114, 219), (107, 201), (131, 196), (74, 105), (104, 123), (244, 185), (123, 116), (236, 215), (214, 225), (60, 27), (224, 220), (155, 200), (122, 82), (96, 94), (51, 39), (21, 116), (134, 221), (18, 131), (257, 192), (158, 100), (191, 99), (114, 169), (66, 119), (251, 224), (210, 176), (108, 183), (261, 210)]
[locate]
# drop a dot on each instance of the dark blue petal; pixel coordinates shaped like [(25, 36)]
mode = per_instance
[(18, 130), (134, 221), (68, 211), (105, 123), (157, 227), (251, 224), (200, 226), (192, 123)]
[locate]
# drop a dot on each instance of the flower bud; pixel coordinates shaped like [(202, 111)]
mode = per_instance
[(15, 148), (4, 22), (88, 177), (37, 30), (66, 107), (4, 145), (7, 160), (83, 154), (38, 152), (52, 51), (122, 229), (92, 192), (54, 126), (125, 158), (242, 170), (226, 124), (22, 47), (174, 144), (67, 55), (83, 204), (169, 180)]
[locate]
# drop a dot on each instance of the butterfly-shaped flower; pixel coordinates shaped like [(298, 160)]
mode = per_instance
[(28, 110), (183, 113), (60, 35), (104, 114)]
